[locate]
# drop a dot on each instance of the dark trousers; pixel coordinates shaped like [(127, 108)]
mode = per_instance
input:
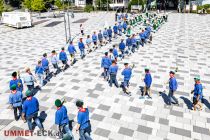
[(30, 87), (172, 98), (15, 111), (113, 79), (106, 72)]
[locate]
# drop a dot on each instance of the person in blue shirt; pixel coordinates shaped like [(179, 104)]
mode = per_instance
[(109, 31), (105, 35), (45, 65), (55, 61), (94, 39), (30, 111), (72, 52), (147, 81), (113, 74), (115, 29), (120, 27), (15, 101), (83, 121), (129, 45), (115, 53), (39, 71), (17, 81), (127, 72), (88, 43), (105, 64), (142, 37), (172, 88), (122, 48), (134, 43), (63, 58), (81, 48), (100, 38), (124, 27), (198, 94), (62, 119)]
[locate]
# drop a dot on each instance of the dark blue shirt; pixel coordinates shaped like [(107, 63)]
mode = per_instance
[(83, 118), (122, 46), (173, 84), (100, 36), (142, 36), (124, 25), (63, 56), (71, 49), (127, 72), (81, 45), (39, 70), (113, 69), (198, 90), (115, 53), (115, 28), (94, 38), (106, 62), (148, 79), (19, 87), (45, 63), (128, 42), (30, 106), (120, 27), (61, 116), (133, 40), (109, 32)]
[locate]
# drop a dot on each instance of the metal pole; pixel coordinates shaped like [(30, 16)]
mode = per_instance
[(65, 23), (69, 22), (107, 6)]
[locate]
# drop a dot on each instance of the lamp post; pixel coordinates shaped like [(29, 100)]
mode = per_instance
[(65, 23), (107, 5), (69, 26)]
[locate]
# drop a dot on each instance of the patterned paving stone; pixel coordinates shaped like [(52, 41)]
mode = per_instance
[(148, 117), (104, 107), (126, 131), (135, 109), (179, 131), (201, 130), (144, 129), (116, 116), (97, 117), (102, 132)]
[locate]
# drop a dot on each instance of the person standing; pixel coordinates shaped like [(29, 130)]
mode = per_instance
[(198, 94), (129, 45), (55, 61), (115, 29), (94, 39), (100, 38), (17, 81), (113, 74), (115, 53), (134, 43), (72, 52), (81, 29), (62, 119), (63, 58), (105, 34), (45, 65), (109, 31), (39, 71), (81, 48), (127, 72), (122, 48), (83, 121), (105, 64), (30, 111), (172, 88), (15, 101), (148, 81), (29, 79), (88, 43)]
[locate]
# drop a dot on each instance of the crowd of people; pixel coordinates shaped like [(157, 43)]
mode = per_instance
[(129, 26)]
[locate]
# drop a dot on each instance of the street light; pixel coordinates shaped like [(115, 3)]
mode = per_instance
[(107, 6), (65, 23)]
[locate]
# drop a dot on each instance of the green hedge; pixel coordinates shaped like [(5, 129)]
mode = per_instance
[(89, 8)]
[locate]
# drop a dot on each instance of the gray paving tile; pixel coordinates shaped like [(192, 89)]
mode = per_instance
[(60, 92), (148, 117), (163, 121), (135, 109), (126, 131), (180, 131), (97, 117), (92, 95), (201, 130), (144, 129), (176, 113), (102, 132), (116, 116), (104, 107)]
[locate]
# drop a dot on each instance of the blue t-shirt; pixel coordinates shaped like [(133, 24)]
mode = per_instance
[(115, 53), (127, 72), (30, 106), (45, 63), (81, 45), (113, 69), (109, 31), (122, 46), (198, 90), (94, 38), (15, 99), (173, 84), (16, 81), (39, 70), (148, 79), (128, 42), (83, 118), (115, 28), (61, 116), (63, 56), (71, 49), (100, 36), (106, 62)]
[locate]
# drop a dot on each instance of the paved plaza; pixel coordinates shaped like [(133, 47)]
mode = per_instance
[(183, 42)]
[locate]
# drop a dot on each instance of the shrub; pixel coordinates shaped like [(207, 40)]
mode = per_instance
[(88, 8), (206, 6)]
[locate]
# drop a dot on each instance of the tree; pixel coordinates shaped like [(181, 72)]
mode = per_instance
[(1, 6), (37, 5), (135, 2), (27, 4), (59, 4), (102, 3)]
